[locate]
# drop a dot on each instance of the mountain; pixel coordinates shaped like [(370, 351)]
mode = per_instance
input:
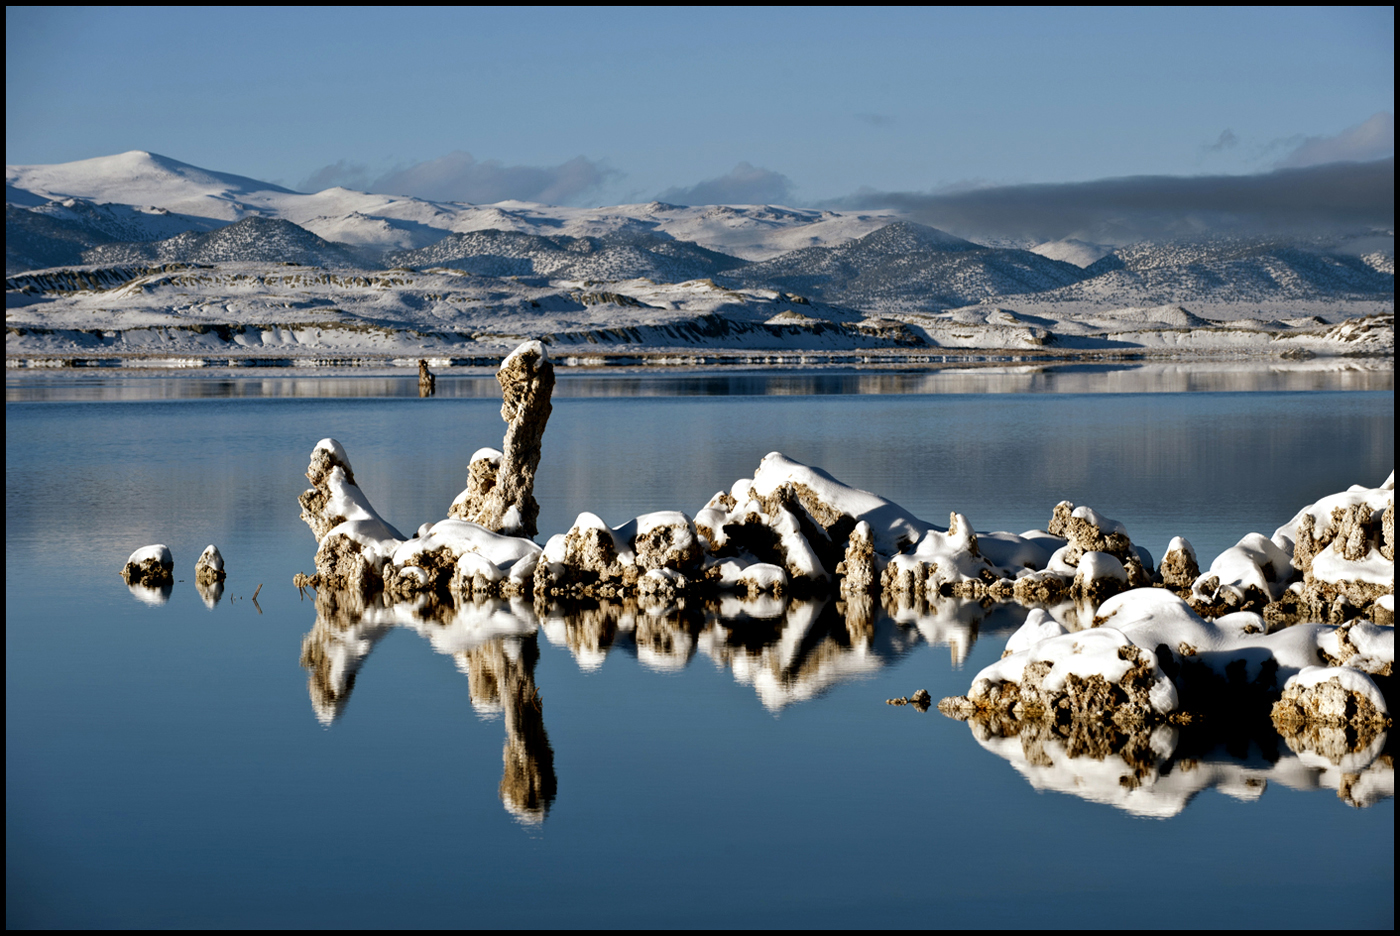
[(376, 224), (1238, 270), (907, 267), (252, 240), (617, 256)]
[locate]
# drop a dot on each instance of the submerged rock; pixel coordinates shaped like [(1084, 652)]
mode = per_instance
[(150, 566)]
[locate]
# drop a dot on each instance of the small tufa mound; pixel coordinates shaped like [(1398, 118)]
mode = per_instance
[(427, 382), (150, 566), (209, 568), (1336, 696)]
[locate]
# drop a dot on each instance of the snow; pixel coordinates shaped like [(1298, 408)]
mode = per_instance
[(1150, 617), (1039, 626), (1084, 653), (1377, 499), (211, 557), (159, 552), (1106, 525), (1100, 566), (1353, 680), (1255, 561), (1329, 566)]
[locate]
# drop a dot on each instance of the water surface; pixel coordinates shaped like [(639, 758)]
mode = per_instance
[(169, 765)]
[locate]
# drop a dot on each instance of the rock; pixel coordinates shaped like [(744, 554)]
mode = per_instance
[(1179, 567), (210, 566), (1330, 695), (858, 566), (355, 542), (150, 566), (427, 383), (506, 503)]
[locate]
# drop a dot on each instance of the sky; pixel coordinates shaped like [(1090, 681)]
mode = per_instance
[(917, 108)]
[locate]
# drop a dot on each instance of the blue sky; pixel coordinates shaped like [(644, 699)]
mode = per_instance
[(795, 106)]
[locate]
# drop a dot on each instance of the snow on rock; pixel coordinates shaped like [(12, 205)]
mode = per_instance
[(1100, 576), (596, 560), (1248, 575), (1179, 569), (209, 568), (1344, 545), (1039, 626), (942, 563), (1095, 674), (354, 541), (1337, 695), (463, 557), (150, 566), (506, 502), (1086, 530)]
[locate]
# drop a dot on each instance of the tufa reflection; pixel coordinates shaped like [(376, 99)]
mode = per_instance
[(492, 642)]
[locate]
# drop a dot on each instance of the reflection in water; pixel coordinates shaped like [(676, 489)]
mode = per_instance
[(792, 650), (151, 594), (957, 374), (492, 641), (1156, 772), (211, 592)]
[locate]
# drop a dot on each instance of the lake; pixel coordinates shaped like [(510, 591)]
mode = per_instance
[(275, 762)]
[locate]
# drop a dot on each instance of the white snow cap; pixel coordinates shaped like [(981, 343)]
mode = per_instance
[(1353, 680), (332, 446), (1106, 524), (159, 552), (211, 558), (526, 347)]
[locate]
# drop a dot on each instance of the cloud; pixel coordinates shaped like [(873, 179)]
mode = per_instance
[(875, 120), (342, 173), (1371, 140), (1312, 199), (743, 185), (459, 176), (1227, 140)]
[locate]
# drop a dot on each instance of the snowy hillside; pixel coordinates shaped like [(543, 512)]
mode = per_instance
[(376, 224), (617, 256), (907, 267), (253, 239), (139, 254)]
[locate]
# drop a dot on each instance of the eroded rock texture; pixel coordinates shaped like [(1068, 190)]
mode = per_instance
[(506, 503)]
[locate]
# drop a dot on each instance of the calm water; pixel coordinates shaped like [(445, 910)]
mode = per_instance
[(169, 765)]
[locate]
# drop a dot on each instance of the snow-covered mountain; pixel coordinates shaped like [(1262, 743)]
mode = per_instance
[(143, 210), (254, 239), (155, 186), (617, 256), (908, 267)]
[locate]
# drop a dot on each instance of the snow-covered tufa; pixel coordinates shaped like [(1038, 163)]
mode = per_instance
[(504, 500), (209, 568), (150, 566), (354, 541)]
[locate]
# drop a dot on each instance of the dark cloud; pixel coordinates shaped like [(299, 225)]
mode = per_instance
[(1374, 139), (1312, 199), (743, 185), (1227, 140), (459, 176)]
